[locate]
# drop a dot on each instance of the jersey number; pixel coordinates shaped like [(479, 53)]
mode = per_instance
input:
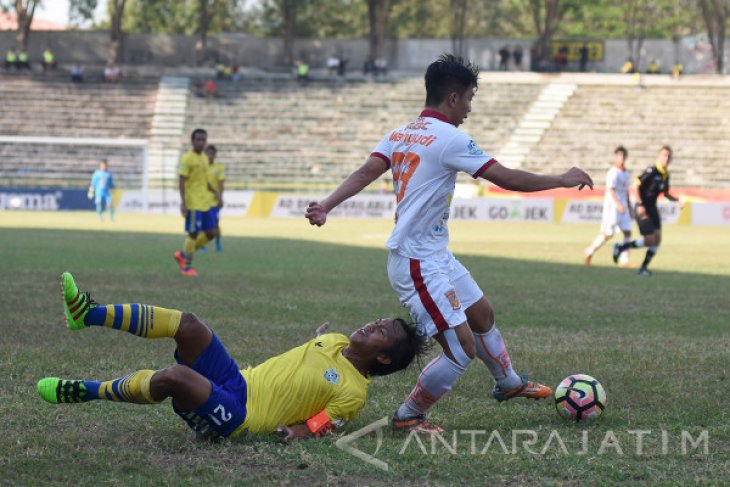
[(404, 165), (224, 416)]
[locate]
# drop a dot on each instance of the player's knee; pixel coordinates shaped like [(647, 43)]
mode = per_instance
[(168, 381), (192, 328), (468, 350)]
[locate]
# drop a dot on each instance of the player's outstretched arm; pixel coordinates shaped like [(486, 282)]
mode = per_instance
[(518, 180), (373, 168)]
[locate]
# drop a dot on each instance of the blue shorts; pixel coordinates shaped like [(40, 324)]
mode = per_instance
[(200, 221), (104, 196), (216, 214), (225, 409)]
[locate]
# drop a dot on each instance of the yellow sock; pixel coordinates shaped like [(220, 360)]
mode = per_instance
[(134, 387), (138, 319), (201, 241), (189, 249)]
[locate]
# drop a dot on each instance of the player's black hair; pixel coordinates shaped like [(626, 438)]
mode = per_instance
[(212, 147), (403, 352), (447, 74), (196, 132), (622, 150)]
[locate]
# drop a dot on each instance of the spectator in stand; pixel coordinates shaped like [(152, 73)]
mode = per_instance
[(504, 55), (583, 53), (302, 71), (211, 89), (342, 66), (628, 67), (235, 75), (220, 71), (653, 67), (561, 59), (517, 56), (23, 62), (333, 65), (198, 89), (77, 74), (49, 60), (677, 70), (368, 66), (11, 59)]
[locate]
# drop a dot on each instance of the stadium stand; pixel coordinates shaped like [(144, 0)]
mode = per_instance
[(279, 131), (51, 106), (692, 119)]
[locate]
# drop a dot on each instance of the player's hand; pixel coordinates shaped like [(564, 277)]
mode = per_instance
[(620, 208), (90, 194), (316, 214), (680, 202), (294, 432), (287, 433), (322, 329), (640, 212), (577, 177), (183, 209)]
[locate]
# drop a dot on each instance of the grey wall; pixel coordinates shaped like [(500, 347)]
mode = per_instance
[(85, 47)]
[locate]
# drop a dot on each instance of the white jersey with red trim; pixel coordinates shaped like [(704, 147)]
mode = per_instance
[(618, 180), (425, 157)]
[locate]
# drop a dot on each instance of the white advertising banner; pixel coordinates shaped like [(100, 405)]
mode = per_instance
[(717, 213), (498, 209), (586, 211), (376, 206), (236, 203), (383, 207)]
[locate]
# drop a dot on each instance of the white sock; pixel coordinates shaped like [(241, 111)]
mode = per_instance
[(597, 244), (624, 258), (433, 383), (493, 352)]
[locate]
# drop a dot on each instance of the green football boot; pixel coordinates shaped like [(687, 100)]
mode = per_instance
[(57, 391), (75, 303)]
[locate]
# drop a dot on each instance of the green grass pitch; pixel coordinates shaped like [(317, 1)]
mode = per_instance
[(659, 345)]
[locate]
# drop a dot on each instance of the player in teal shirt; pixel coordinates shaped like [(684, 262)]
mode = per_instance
[(100, 188)]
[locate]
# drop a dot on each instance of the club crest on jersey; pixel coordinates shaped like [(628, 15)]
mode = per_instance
[(331, 376), (474, 149), (453, 299)]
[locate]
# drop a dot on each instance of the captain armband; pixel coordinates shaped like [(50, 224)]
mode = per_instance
[(320, 424)]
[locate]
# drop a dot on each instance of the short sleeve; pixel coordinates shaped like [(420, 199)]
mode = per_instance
[(344, 407), (383, 150), (611, 179), (463, 154), (184, 169)]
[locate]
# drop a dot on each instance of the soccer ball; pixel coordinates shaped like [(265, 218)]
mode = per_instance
[(580, 397)]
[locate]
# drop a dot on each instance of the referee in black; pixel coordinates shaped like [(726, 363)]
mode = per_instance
[(652, 182)]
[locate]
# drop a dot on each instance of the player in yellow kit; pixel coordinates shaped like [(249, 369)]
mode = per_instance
[(216, 180), (302, 393), (195, 202)]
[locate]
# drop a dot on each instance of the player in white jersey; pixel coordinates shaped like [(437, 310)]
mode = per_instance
[(446, 303), (616, 207)]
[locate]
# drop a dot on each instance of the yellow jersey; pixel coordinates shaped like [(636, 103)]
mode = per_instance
[(297, 385), (195, 169), (216, 175)]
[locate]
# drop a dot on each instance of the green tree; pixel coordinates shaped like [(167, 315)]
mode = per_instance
[(24, 12), (715, 13)]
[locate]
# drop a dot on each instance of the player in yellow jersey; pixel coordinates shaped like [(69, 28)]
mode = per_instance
[(216, 178), (195, 202), (302, 393)]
